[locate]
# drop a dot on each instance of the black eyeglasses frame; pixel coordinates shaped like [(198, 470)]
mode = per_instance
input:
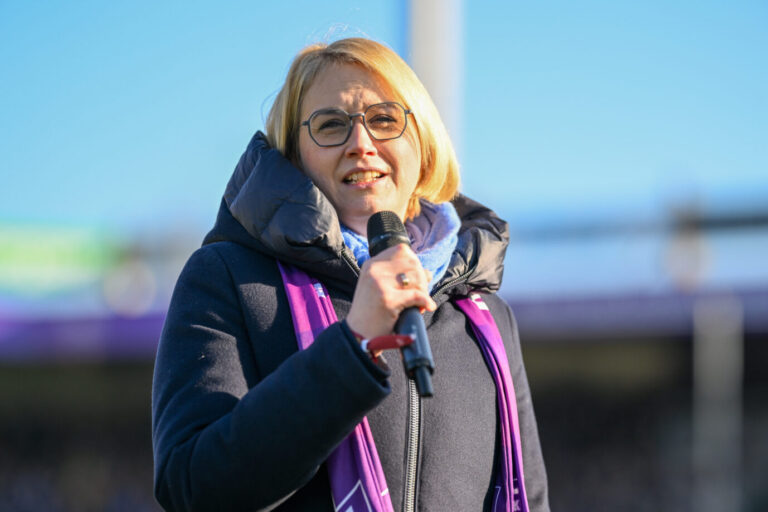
[(351, 117)]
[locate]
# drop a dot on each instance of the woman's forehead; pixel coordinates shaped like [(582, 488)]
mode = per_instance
[(346, 86)]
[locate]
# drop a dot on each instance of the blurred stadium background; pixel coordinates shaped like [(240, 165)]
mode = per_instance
[(626, 145)]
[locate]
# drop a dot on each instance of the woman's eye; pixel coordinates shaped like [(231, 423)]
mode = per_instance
[(381, 119), (331, 124)]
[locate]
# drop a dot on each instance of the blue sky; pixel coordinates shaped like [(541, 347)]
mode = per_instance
[(131, 116)]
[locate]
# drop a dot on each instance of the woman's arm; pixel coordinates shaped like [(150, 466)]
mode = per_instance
[(221, 444)]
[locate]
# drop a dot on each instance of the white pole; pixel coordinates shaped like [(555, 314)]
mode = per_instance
[(437, 56), (718, 371)]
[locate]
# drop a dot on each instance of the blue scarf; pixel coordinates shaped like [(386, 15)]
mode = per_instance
[(433, 234)]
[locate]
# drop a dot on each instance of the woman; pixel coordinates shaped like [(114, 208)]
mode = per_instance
[(242, 419)]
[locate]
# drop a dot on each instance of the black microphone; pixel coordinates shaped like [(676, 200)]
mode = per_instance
[(385, 230)]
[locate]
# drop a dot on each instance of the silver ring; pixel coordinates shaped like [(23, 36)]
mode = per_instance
[(402, 280)]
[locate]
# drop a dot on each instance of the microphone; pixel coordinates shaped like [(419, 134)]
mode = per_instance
[(385, 230)]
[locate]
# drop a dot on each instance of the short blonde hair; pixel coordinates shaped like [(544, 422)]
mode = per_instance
[(439, 173)]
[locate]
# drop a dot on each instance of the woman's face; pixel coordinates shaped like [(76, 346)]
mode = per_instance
[(362, 176)]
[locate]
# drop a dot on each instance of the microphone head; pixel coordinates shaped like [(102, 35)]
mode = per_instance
[(385, 230)]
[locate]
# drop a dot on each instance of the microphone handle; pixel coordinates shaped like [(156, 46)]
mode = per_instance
[(417, 357)]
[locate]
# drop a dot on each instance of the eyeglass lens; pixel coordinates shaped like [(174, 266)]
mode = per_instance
[(332, 126)]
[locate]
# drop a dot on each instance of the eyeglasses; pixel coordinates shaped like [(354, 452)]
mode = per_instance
[(332, 126)]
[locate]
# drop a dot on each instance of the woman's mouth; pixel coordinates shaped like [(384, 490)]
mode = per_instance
[(362, 177)]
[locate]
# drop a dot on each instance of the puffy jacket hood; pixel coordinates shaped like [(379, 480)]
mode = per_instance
[(271, 206)]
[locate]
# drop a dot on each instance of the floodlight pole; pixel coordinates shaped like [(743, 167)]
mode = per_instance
[(436, 53), (718, 373)]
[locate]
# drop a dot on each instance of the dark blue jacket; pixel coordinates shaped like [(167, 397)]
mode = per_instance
[(244, 421)]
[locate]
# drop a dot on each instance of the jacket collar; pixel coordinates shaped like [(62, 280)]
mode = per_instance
[(274, 208)]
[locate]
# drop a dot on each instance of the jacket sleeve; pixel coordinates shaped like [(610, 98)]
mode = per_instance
[(533, 460), (222, 443)]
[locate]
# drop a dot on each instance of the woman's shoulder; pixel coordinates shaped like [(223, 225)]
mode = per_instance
[(502, 314), (229, 254), (496, 304), (221, 263), (225, 279)]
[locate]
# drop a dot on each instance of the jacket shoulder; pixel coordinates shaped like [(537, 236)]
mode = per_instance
[(232, 252), (502, 314), (241, 263)]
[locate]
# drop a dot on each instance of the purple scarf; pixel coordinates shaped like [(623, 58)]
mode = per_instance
[(357, 479)]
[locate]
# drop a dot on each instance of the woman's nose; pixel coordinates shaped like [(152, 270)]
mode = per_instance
[(360, 141)]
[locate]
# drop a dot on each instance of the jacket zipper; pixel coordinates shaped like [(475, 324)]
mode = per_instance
[(447, 285), (413, 445), (413, 434), (349, 258), (413, 422)]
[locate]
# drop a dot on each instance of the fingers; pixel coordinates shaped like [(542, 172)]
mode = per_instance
[(417, 298), (389, 283), (400, 284), (405, 281), (402, 264), (401, 279)]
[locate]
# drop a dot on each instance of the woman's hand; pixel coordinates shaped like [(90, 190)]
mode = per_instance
[(382, 293)]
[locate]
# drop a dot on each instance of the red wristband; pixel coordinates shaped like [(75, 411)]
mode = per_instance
[(381, 342), (386, 342)]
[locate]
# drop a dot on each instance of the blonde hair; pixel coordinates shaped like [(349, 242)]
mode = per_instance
[(439, 173)]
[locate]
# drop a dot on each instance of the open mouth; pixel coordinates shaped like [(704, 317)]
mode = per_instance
[(361, 177)]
